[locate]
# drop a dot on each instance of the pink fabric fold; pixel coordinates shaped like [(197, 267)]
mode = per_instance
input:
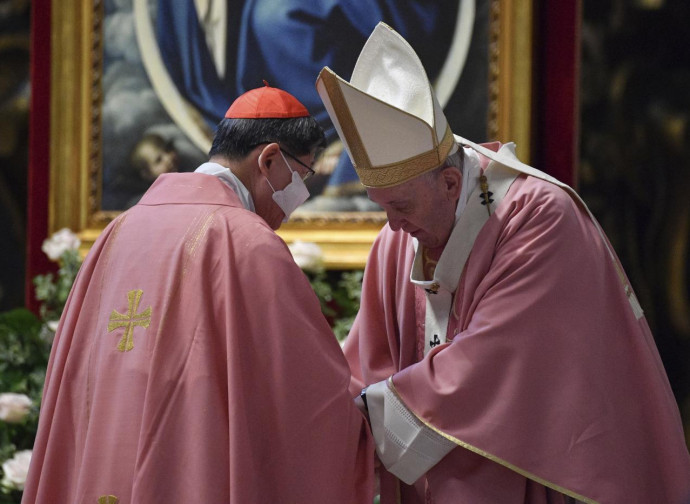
[(550, 385), (235, 392)]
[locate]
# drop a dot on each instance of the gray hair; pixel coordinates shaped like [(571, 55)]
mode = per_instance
[(455, 160)]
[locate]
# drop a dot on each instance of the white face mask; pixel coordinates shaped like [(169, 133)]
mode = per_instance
[(292, 195)]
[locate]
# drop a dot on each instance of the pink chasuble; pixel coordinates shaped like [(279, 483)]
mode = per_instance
[(549, 385), (193, 364)]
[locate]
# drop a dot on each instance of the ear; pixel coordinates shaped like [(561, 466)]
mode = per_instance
[(451, 178), (266, 157)]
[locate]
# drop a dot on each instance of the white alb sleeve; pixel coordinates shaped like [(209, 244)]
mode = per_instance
[(406, 447)]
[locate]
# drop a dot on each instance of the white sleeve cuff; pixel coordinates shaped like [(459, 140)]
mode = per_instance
[(406, 447)]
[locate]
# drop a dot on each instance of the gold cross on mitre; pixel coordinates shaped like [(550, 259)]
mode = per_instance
[(129, 320), (108, 499)]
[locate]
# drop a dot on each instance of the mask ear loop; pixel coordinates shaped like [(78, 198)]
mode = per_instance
[(286, 164), (258, 162), (270, 185)]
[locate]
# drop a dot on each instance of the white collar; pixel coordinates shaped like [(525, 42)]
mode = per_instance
[(447, 271), (471, 169), (229, 179)]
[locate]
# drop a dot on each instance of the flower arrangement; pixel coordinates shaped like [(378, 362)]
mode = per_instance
[(15, 470), (52, 291), (14, 407), (25, 342)]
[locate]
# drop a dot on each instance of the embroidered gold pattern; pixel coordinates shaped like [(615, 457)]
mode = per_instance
[(401, 171), (108, 499), (129, 320)]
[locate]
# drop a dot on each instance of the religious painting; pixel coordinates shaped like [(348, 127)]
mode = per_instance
[(158, 75)]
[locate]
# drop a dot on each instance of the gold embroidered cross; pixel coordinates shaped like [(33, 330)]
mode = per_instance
[(108, 499), (129, 320)]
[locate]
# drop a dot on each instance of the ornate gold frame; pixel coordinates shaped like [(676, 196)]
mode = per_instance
[(75, 127)]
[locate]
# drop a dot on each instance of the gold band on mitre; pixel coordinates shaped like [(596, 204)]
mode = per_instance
[(396, 173)]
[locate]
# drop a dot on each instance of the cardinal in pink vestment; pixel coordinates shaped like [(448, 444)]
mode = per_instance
[(501, 353), (192, 362)]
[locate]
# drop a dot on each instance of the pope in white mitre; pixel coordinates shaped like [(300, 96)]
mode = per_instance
[(500, 350)]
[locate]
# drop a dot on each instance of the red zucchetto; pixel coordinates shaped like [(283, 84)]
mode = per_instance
[(266, 103)]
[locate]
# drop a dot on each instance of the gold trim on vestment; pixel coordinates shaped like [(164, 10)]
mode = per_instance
[(193, 242), (104, 262), (196, 232), (491, 457)]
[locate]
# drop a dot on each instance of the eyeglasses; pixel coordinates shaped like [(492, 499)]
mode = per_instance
[(309, 173)]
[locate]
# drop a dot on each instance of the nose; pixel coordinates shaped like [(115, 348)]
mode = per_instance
[(395, 223)]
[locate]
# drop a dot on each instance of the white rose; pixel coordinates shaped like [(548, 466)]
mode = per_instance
[(53, 325), (60, 242), (14, 407), (307, 255), (16, 469)]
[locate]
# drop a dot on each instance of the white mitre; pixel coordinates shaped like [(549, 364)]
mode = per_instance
[(388, 117)]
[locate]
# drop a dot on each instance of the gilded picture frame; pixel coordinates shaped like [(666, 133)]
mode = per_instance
[(76, 130)]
